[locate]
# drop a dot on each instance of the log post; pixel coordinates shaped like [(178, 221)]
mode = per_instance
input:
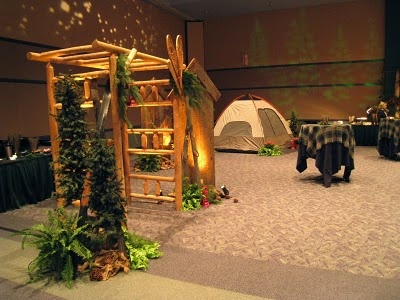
[(116, 123), (55, 144)]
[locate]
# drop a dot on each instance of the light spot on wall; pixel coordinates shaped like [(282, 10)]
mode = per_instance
[(65, 6), (51, 9), (87, 6)]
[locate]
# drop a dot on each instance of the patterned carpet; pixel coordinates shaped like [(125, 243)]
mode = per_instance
[(292, 218), (284, 216)]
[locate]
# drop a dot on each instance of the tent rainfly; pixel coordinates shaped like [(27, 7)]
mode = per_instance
[(247, 122)]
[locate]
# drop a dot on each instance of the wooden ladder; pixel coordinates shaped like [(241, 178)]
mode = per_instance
[(149, 136)]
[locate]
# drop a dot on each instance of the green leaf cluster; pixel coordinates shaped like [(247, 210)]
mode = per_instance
[(192, 88), (140, 250), (125, 90), (269, 150), (105, 197), (72, 138), (149, 163), (59, 244), (191, 195)]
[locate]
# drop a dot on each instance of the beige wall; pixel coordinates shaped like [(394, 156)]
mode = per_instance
[(327, 33), (347, 31), (128, 23)]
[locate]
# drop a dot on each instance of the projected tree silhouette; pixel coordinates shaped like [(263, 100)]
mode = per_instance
[(300, 46), (340, 73), (258, 50)]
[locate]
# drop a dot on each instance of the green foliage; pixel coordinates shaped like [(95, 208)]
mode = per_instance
[(269, 149), (149, 163), (191, 195), (72, 139), (192, 88), (59, 244), (140, 250), (125, 91), (105, 196)]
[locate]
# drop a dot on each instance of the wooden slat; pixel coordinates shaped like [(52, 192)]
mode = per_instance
[(150, 104), (148, 68), (150, 82), (116, 49), (150, 151), (152, 177), (150, 131), (88, 104), (45, 56), (152, 197), (88, 75)]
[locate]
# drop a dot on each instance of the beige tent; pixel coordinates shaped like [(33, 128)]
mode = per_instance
[(247, 122)]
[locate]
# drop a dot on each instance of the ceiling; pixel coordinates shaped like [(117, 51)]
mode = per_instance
[(199, 10)]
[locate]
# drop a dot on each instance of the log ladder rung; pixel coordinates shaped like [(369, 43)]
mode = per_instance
[(152, 197), (150, 130), (152, 177), (149, 104), (150, 151)]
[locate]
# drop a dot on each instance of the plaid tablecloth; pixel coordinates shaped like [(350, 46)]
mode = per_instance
[(389, 137), (390, 129), (314, 136), (332, 146)]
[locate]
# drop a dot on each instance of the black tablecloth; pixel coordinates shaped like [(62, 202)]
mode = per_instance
[(25, 181), (330, 146), (366, 135)]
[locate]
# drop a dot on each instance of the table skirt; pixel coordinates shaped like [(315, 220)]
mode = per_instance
[(25, 181)]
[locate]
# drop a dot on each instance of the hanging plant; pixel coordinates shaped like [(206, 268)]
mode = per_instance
[(126, 92), (192, 88), (72, 139)]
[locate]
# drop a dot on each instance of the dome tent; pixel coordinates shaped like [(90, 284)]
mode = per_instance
[(247, 122)]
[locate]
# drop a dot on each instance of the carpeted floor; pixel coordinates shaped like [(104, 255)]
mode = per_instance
[(288, 237)]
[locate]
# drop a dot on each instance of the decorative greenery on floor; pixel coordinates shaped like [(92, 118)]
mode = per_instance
[(194, 197), (59, 244), (269, 149)]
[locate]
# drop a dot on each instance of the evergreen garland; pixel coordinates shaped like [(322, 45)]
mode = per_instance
[(192, 88), (125, 91), (105, 197), (72, 139)]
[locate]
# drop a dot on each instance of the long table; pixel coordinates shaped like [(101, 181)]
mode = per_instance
[(389, 138), (332, 146), (365, 135), (25, 181)]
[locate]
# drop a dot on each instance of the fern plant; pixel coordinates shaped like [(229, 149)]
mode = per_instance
[(140, 250), (59, 244)]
